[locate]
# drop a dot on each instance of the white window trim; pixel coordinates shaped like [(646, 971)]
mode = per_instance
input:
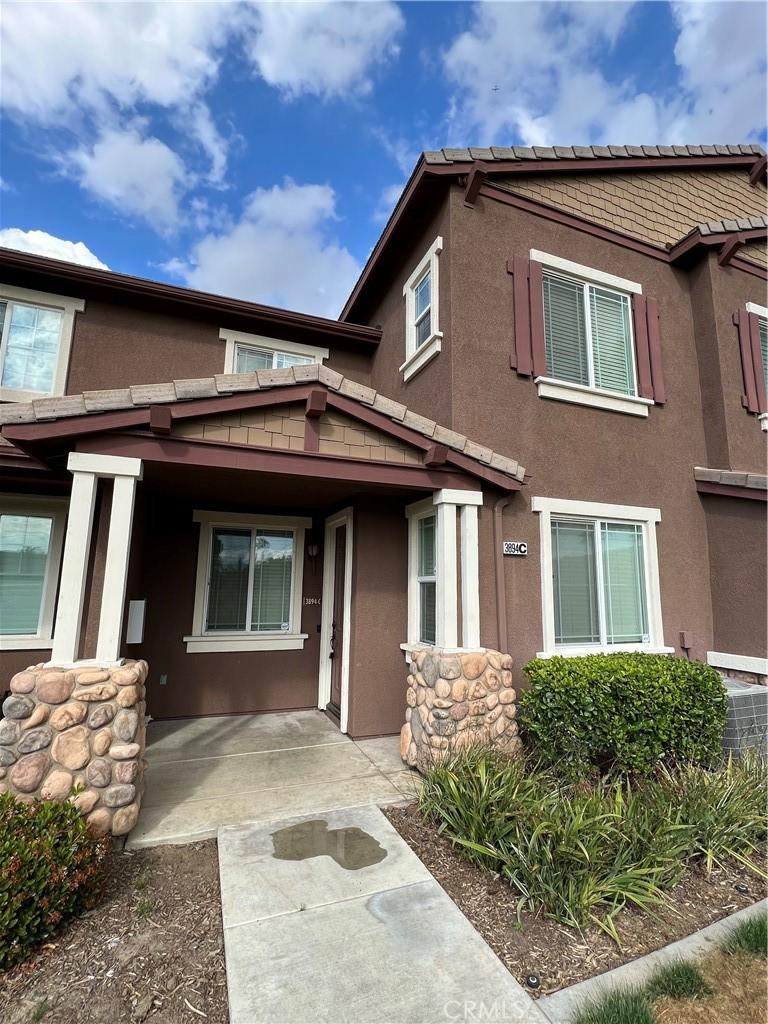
[(752, 307), (57, 508), (64, 304), (596, 398), (738, 662), (581, 394), (647, 518), (414, 512), (201, 642), (417, 357), (588, 274), (235, 338)]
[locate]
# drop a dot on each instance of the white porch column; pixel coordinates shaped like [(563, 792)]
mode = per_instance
[(446, 607), (86, 470), (446, 631), (470, 578), (77, 543)]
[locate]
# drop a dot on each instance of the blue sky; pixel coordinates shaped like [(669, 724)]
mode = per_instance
[(256, 149)]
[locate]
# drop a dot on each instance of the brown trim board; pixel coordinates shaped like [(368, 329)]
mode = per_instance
[(729, 491)]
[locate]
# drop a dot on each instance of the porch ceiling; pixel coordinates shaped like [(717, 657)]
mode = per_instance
[(139, 421)]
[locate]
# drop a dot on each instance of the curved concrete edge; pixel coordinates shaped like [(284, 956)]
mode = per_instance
[(561, 1007)]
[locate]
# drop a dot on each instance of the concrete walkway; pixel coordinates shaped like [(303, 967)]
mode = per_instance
[(203, 773), (332, 918)]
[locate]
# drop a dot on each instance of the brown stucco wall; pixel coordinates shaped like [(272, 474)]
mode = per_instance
[(738, 557), (221, 683), (379, 618), (115, 345)]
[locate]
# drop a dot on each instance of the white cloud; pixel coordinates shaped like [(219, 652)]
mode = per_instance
[(137, 176), (534, 73), (322, 49), (386, 203), (43, 244), (280, 252)]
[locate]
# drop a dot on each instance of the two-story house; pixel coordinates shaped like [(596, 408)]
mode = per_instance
[(537, 427)]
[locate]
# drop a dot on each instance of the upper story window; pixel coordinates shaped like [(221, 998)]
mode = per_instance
[(588, 337), (35, 343), (422, 326), (600, 577), (248, 352)]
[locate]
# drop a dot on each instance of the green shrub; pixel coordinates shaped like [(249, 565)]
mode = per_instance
[(581, 851), (50, 862), (629, 711), (751, 936), (678, 979)]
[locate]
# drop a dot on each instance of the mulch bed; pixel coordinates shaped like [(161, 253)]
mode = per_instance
[(562, 956), (152, 949)]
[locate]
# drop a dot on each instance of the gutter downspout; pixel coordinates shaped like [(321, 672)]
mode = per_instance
[(501, 593)]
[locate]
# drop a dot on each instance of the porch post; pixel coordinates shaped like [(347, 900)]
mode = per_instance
[(447, 501), (86, 470), (77, 543), (116, 569), (470, 578), (446, 626)]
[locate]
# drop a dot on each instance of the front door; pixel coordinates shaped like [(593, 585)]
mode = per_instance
[(337, 620)]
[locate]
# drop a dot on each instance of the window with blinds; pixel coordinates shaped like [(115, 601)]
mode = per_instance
[(427, 578), (249, 358), (762, 325), (588, 334), (24, 547), (250, 580), (598, 574)]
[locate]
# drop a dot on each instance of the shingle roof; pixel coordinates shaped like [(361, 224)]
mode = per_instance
[(143, 395), (507, 153), (719, 227), (731, 477)]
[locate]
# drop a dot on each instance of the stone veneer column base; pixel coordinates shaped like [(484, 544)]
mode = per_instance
[(457, 700), (78, 734)]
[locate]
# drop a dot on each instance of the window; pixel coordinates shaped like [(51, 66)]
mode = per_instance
[(35, 338), (248, 352), (249, 579), (763, 328), (31, 535), (421, 293), (427, 578), (590, 351), (600, 584)]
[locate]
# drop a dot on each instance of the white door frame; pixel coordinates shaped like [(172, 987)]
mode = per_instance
[(342, 518)]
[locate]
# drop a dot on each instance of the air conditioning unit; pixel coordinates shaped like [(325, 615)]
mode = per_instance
[(746, 726)]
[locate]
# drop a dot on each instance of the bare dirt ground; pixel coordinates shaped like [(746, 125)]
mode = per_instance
[(739, 994), (152, 949), (561, 956)]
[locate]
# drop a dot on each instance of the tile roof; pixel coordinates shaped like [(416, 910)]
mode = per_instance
[(505, 153), (142, 395), (731, 477)]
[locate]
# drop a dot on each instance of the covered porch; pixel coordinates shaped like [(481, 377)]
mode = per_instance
[(204, 773)]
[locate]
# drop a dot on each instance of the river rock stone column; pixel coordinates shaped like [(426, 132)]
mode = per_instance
[(457, 700), (78, 734)]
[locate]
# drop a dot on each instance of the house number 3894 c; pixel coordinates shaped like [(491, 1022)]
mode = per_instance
[(311, 600), (515, 547)]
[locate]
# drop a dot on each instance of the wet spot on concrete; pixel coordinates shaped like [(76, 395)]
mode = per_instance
[(351, 848)]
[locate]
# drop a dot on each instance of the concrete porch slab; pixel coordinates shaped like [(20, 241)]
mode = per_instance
[(205, 773), (400, 950)]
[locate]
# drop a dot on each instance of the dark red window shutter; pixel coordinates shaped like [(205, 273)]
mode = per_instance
[(528, 355), (650, 375), (749, 398), (754, 397)]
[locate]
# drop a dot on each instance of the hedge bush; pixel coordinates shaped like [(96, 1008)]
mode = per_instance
[(50, 869), (623, 711)]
